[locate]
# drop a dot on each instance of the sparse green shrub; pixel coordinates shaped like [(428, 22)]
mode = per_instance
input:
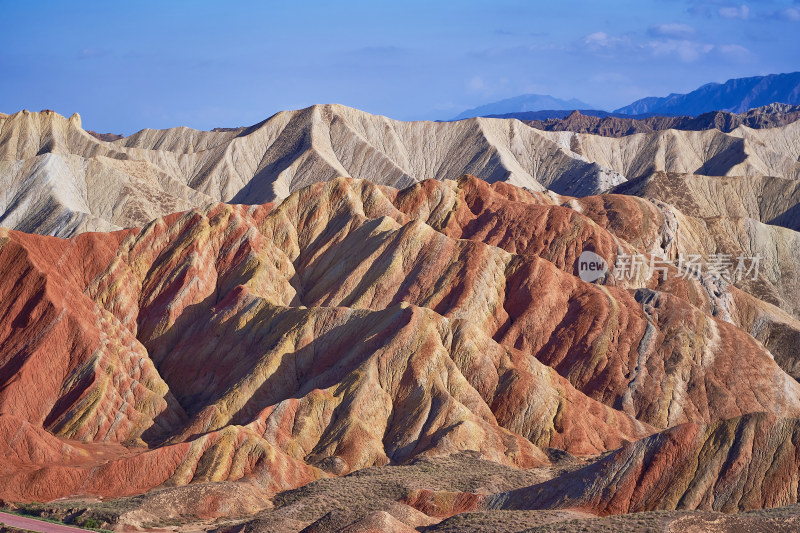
[(91, 523)]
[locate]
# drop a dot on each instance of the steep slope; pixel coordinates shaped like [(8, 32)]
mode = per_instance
[(768, 200), (60, 180), (737, 216), (294, 149), (735, 95), (104, 387), (522, 222), (453, 281), (763, 303)]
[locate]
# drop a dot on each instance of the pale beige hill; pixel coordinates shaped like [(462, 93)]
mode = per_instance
[(743, 152), (64, 195), (295, 148), (58, 179), (155, 172), (768, 142)]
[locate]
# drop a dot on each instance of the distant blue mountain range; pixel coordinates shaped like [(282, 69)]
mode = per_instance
[(546, 114), (526, 102), (736, 96)]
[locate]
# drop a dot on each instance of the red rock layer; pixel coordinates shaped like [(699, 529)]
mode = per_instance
[(350, 326)]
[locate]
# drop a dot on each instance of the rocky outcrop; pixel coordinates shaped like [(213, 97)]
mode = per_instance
[(617, 125), (749, 462)]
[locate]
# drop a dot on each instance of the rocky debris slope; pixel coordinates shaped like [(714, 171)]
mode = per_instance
[(725, 217)]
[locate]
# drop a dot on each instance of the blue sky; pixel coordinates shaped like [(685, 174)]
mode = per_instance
[(128, 65)]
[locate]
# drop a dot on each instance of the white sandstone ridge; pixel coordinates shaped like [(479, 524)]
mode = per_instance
[(57, 179)]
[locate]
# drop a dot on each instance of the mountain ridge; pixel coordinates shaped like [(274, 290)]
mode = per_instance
[(619, 125), (736, 95), (58, 179)]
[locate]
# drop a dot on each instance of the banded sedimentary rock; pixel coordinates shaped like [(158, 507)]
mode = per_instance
[(352, 325)]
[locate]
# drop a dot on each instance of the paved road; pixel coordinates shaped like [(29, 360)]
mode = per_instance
[(21, 522)]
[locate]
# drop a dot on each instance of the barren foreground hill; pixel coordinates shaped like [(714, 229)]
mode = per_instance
[(404, 355), (57, 179)]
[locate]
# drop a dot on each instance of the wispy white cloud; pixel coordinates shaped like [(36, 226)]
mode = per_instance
[(686, 50), (601, 39), (790, 13), (674, 30), (787, 14), (736, 52), (663, 41), (734, 12), (692, 51)]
